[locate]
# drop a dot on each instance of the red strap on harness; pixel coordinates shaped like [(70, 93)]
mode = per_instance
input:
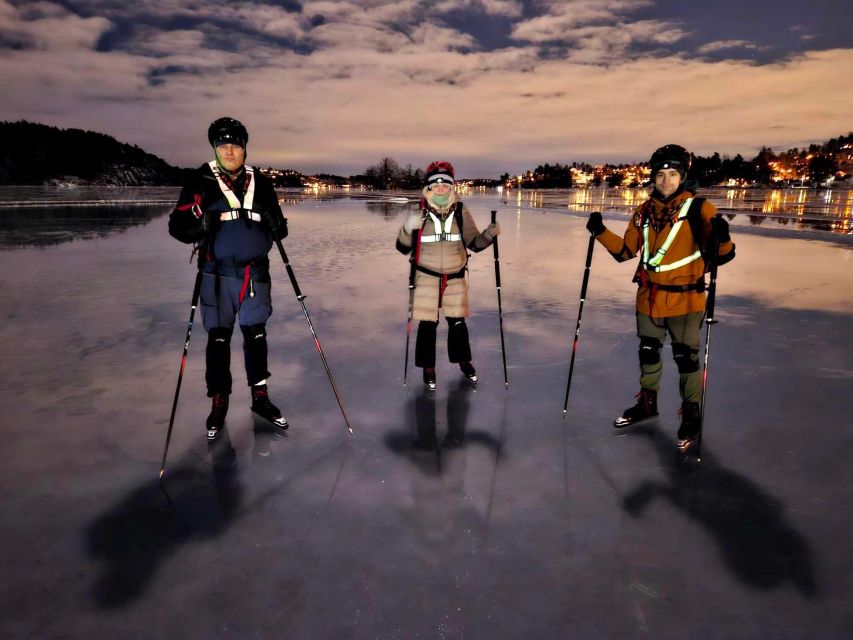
[(247, 278), (442, 285), (195, 206), (645, 281)]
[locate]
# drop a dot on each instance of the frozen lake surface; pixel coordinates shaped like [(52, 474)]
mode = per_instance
[(462, 514)]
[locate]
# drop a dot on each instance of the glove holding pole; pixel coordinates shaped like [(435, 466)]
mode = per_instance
[(276, 225), (301, 298), (595, 226), (493, 230)]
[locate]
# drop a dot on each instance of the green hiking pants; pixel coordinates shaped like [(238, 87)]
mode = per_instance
[(684, 334)]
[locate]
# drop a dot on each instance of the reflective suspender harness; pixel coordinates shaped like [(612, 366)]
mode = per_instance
[(444, 234), (237, 208), (654, 263), (690, 207)]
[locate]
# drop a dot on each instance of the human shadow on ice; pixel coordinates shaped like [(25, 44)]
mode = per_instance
[(424, 437), (141, 531), (760, 547), (439, 508), (137, 534)]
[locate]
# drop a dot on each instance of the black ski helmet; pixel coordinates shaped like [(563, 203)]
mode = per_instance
[(227, 131), (670, 156)]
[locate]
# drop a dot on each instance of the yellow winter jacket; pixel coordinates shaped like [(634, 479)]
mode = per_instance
[(656, 219)]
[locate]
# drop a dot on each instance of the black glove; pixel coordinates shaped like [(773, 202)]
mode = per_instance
[(595, 225), (209, 222), (720, 230), (277, 225)]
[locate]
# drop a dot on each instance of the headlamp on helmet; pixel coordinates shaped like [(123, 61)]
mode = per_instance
[(670, 156), (227, 131), (440, 172)]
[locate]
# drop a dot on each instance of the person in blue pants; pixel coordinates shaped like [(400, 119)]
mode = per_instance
[(230, 211)]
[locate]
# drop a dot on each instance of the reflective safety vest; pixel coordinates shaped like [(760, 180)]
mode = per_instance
[(654, 263), (238, 208), (444, 234)]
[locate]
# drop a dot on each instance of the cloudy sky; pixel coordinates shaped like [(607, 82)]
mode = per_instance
[(492, 85)]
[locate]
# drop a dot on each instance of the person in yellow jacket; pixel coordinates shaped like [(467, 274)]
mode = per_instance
[(674, 234), (446, 231)]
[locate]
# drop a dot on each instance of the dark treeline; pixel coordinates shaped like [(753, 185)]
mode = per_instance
[(813, 164), (816, 163), (387, 174), (33, 154)]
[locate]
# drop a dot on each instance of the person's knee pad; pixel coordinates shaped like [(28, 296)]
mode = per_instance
[(686, 358), (254, 332), (649, 350), (219, 336), (455, 323)]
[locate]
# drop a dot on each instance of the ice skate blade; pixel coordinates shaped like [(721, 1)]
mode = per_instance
[(685, 446), (279, 422), (621, 423)]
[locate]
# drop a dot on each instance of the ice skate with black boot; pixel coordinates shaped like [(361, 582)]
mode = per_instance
[(645, 409), (216, 419), (469, 371), (430, 379), (263, 407), (688, 432)]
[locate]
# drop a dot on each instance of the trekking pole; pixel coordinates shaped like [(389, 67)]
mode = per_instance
[(196, 293), (301, 298), (412, 269), (500, 309), (709, 320), (589, 249)]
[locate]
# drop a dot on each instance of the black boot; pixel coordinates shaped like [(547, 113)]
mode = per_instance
[(216, 419), (469, 371), (262, 406), (688, 432), (646, 407)]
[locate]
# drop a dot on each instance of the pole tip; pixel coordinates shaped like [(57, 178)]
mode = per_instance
[(162, 471)]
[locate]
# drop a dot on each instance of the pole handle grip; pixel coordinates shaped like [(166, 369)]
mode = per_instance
[(494, 216)]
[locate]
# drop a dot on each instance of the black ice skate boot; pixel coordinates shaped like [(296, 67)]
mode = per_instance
[(262, 406), (216, 419), (429, 378), (688, 432), (646, 407), (469, 371)]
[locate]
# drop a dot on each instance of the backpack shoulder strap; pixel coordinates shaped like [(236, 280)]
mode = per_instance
[(694, 218)]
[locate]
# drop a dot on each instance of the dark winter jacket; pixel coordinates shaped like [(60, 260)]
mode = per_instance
[(231, 244)]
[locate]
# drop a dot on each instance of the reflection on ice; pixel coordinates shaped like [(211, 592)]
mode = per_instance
[(457, 514), (40, 226)]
